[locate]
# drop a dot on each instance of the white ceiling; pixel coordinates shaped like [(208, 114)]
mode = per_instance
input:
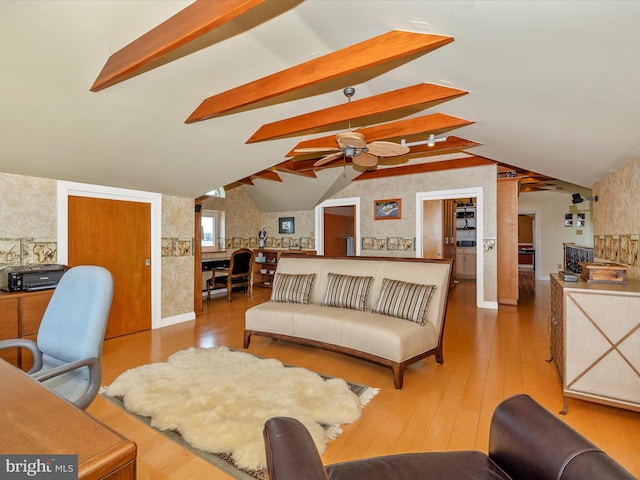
[(553, 87)]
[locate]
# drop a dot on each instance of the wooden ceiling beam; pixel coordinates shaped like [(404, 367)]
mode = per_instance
[(268, 175), (420, 94), (190, 23), (450, 145), (375, 51), (425, 167), (297, 168), (245, 181), (435, 123)]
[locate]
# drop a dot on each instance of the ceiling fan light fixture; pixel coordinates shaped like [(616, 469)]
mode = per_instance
[(353, 146), (350, 151)]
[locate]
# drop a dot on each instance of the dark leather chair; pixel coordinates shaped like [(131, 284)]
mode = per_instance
[(526, 442), (239, 274)]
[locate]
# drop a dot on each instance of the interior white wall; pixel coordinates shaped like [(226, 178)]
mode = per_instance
[(551, 207)]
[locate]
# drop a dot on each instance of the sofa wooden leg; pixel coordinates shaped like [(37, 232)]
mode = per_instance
[(398, 375), (247, 339), (439, 357)]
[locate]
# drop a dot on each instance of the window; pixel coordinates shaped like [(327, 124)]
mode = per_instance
[(212, 230)]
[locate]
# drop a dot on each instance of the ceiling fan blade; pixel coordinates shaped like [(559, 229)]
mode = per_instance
[(365, 160), (387, 149), (328, 158), (351, 139), (315, 149)]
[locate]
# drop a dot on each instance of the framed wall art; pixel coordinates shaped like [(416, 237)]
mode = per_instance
[(390, 209), (286, 225)]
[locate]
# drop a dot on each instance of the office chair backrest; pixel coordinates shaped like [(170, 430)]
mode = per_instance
[(74, 323)]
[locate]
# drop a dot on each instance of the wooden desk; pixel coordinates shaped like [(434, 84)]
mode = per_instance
[(35, 421), (217, 266)]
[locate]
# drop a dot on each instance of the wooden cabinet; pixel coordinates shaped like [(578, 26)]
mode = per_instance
[(36, 421), (594, 331), (9, 328), (20, 317), (466, 263), (507, 240), (438, 229), (264, 271)]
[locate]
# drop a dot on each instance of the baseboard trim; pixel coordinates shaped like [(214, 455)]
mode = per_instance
[(184, 317), (489, 305)]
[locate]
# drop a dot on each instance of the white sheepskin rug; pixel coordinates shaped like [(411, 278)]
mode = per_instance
[(219, 399)]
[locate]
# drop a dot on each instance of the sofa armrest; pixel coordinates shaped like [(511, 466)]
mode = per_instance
[(530, 443), (291, 452)]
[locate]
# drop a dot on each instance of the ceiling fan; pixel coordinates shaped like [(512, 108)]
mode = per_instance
[(353, 146)]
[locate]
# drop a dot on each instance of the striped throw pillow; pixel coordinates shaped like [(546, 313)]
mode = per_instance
[(292, 288), (347, 291), (409, 301)]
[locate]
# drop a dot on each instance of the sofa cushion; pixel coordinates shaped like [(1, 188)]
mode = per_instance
[(292, 288), (409, 301), (347, 291)]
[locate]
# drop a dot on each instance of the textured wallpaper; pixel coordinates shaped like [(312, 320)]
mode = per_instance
[(405, 188), (28, 235), (616, 220), (379, 237), (177, 255), (28, 220)]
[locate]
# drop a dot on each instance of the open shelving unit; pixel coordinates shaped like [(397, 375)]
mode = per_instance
[(265, 264)]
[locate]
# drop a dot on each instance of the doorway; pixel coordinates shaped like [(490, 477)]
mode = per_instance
[(339, 231), (529, 257), (478, 194), (341, 204)]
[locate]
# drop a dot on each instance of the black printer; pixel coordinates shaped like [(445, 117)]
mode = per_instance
[(31, 278)]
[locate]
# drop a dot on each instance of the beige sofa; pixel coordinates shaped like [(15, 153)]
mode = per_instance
[(298, 311)]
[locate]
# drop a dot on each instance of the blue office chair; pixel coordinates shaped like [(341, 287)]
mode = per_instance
[(66, 356)]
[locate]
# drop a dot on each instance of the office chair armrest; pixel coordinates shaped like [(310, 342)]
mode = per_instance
[(95, 377), (29, 345)]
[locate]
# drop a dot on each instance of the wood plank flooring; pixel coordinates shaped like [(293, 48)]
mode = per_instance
[(488, 355)]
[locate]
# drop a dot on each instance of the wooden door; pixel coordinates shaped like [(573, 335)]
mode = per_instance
[(339, 224), (116, 234), (433, 229)]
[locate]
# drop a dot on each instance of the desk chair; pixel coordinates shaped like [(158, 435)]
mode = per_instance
[(66, 355), (239, 274)]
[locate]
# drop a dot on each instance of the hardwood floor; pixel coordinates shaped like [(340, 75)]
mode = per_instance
[(488, 355)]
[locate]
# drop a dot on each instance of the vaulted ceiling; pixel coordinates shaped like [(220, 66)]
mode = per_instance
[(182, 97)]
